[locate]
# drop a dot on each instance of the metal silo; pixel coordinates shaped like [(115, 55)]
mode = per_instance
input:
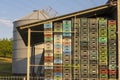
[(19, 65)]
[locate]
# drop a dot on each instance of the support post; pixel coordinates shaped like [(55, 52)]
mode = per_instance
[(118, 21), (33, 60), (28, 54)]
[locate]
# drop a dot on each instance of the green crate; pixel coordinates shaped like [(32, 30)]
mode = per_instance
[(48, 39), (102, 34), (67, 65), (112, 36), (111, 31), (84, 20), (102, 47), (93, 57), (103, 62), (112, 52), (111, 27), (57, 78), (105, 76), (57, 30), (67, 23), (103, 57), (112, 66), (103, 30), (76, 66), (102, 22), (102, 39)]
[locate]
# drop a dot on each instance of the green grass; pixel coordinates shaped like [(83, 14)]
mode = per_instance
[(5, 66)]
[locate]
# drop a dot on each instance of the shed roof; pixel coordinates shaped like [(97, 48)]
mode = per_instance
[(100, 11)]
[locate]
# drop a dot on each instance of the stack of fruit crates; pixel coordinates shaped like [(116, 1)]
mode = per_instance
[(58, 51), (67, 50), (93, 49), (112, 49), (84, 49), (48, 53), (103, 53), (76, 47)]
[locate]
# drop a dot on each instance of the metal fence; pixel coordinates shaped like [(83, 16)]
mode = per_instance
[(20, 78), (12, 78)]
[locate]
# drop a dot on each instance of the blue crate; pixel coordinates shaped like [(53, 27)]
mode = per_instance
[(48, 25), (67, 29), (66, 50), (68, 53), (58, 74), (67, 34), (57, 45), (57, 61), (66, 47)]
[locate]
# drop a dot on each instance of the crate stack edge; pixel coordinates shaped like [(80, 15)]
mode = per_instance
[(103, 51), (48, 51), (93, 49), (67, 74), (58, 51)]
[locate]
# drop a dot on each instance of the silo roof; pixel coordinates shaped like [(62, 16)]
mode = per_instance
[(111, 1), (37, 14)]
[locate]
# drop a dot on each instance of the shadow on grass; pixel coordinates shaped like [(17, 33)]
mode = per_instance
[(5, 66)]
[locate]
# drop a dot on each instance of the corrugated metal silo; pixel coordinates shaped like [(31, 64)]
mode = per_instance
[(19, 65)]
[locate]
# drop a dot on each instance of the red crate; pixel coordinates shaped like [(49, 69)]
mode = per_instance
[(112, 22), (67, 43), (48, 35), (112, 72), (103, 71), (58, 69), (48, 58)]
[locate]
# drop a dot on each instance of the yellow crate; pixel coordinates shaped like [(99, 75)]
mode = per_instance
[(48, 64), (48, 54), (103, 62), (76, 66)]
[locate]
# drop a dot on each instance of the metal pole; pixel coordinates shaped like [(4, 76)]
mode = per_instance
[(28, 54), (118, 16)]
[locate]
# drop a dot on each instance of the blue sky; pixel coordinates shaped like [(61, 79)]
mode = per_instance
[(11, 10)]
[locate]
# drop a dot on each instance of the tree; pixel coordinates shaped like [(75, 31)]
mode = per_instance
[(6, 47)]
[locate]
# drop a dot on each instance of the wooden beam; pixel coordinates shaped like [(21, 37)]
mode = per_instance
[(28, 54), (118, 21)]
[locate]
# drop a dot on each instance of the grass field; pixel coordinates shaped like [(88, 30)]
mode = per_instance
[(5, 66)]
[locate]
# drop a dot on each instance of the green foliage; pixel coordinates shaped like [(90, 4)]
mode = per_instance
[(6, 47)]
